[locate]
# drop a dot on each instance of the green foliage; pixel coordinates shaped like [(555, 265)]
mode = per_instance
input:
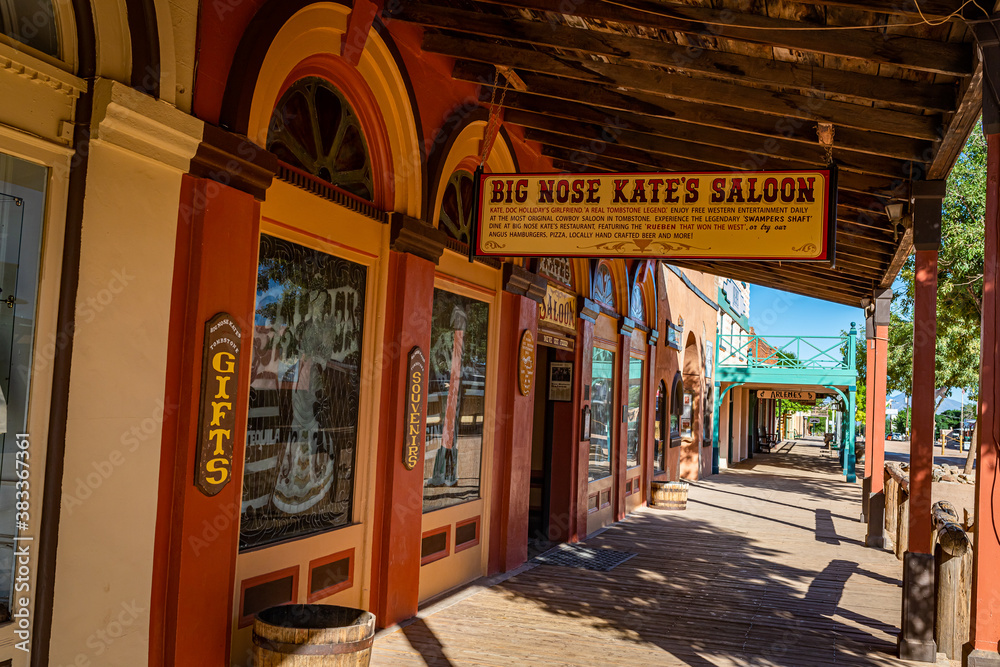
[(948, 419), (960, 283), (900, 421)]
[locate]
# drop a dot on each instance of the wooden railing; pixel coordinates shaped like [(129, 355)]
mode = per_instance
[(952, 559), (952, 580), (897, 507)]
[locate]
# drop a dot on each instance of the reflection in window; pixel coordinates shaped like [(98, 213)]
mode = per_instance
[(634, 412), (22, 211), (602, 404), (305, 386), (314, 129), (31, 22), (659, 430), (456, 400)]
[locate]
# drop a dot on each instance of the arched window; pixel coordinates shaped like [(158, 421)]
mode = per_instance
[(637, 310), (456, 206), (676, 410), (604, 289), (314, 128), (33, 23), (660, 430)]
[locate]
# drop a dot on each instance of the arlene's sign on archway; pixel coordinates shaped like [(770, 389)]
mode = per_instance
[(779, 215)]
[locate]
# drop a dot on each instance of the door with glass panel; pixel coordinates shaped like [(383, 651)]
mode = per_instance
[(634, 430), (458, 389), (601, 488), (22, 203)]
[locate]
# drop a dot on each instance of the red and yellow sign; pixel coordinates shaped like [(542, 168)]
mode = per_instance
[(416, 373), (526, 363), (558, 309), (217, 421), (700, 215)]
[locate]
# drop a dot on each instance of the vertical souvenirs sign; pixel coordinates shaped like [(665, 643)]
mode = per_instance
[(415, 381), (772, 215), (526, 363), (217, 419)]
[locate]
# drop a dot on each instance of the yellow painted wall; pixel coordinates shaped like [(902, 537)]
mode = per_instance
[(112, 462)]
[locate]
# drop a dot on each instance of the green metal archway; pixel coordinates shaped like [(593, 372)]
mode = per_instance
[(820, 362)]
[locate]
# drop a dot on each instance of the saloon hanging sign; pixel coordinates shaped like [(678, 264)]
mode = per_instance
[(775, 215), (217, 419)]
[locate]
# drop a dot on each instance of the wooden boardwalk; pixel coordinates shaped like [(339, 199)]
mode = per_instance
[(765, 567)]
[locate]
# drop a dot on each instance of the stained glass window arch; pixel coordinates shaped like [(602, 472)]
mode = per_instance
[(637, 309), (604, 290), (456, 206), (314, 128)]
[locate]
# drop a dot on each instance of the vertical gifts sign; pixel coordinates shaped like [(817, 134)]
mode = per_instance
[(220, 367)]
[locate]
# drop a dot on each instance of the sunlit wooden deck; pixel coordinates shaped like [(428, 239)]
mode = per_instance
[(765, 567)]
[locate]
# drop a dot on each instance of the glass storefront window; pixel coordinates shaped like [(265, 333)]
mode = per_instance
[(22, 209), (602, 404), (456, 400), (305, 388), (634, 412)]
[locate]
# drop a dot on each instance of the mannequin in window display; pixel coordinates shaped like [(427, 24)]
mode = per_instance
[(446, 456)]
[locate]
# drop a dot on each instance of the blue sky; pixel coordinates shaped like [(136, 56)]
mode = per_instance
[(774, 313)]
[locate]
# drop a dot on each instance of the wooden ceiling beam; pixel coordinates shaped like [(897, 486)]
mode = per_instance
[(934, 10), (655, 85), (622, 49), (741, 271), (870, 45), (658, 162), (728, 149), (689, 122)]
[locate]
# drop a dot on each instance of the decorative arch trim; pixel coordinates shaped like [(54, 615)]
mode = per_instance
[(289, 34), (144, 37), (462, 151)]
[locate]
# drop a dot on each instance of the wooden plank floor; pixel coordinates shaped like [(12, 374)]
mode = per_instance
[(765, 567)]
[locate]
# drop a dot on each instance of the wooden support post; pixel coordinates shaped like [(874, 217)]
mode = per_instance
[(876, 388), (916, 641), (985, 635), (953, 574)]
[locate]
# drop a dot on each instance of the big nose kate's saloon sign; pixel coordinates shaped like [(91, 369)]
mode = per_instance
[(700, 215), (217, 419)]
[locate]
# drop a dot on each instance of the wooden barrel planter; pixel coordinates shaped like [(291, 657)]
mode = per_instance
[(310, 635), (670, 495)]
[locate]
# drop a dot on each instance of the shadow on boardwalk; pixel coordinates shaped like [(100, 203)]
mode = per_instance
[(765, 567)]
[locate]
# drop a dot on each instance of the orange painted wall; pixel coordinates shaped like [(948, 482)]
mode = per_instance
[(197, 535)]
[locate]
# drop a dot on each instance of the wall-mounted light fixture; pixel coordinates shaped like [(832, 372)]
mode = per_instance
[(894, 209)]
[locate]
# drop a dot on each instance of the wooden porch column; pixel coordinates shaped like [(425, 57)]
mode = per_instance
[(523, 291), (415, 250), (916, 641), (875, 455), (982, 650)]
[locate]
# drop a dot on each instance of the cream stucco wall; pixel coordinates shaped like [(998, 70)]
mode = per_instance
[(103, 570)]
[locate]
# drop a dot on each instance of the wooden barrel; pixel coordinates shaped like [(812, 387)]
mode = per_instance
[(310, 635), (670, 495)]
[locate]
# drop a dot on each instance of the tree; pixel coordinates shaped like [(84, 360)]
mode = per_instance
[(948, 420), (900, 421), (960, 284)]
